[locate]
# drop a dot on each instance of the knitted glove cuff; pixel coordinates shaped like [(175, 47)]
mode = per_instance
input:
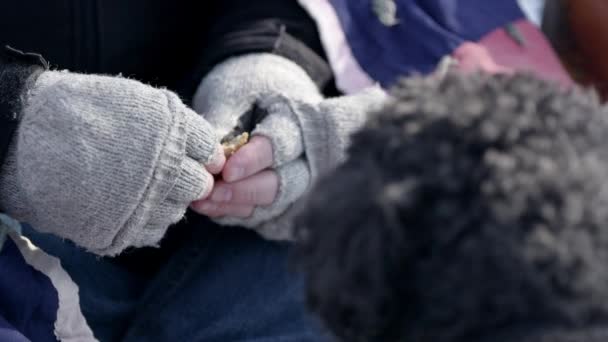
[(323, 128), (150, 214), (294, 180), (18, 72), (322, 131)]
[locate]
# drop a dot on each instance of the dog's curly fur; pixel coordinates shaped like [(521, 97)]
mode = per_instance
[(471, 208)]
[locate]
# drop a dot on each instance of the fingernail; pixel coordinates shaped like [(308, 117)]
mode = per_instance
[(222, 194), (236, 173)]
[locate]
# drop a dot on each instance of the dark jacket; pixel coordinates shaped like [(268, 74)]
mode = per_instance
[(170, 43)]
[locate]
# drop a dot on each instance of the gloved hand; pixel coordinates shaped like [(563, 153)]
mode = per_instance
[(308, 135), (229, 96), (106, 162)]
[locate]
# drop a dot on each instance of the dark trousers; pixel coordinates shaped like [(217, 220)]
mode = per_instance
[(206, 283)]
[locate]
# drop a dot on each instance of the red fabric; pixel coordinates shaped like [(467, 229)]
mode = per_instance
[(499, 52)]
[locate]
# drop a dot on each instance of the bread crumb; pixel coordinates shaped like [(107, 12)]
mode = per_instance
[(230, 147)]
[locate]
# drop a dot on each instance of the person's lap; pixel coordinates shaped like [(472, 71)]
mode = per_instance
[(108, 292), (214, 284)]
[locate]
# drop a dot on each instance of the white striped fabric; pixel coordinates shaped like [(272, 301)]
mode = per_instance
[(350, 77)]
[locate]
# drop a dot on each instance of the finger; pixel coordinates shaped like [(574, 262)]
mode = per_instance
[(473, 57), (259, 189), (216, 210), (282, 128), (193, 183), (250, 159), (217, 162)]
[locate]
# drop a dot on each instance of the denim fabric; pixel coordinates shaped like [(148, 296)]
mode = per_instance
[(8, 333), (7, 224), (28, 299), (209, 284), (109, 293)]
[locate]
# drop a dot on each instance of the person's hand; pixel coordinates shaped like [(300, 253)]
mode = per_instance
[(472, 57), (229, 96), (247, 182), (107, 162), (256, 190), (291, 146)]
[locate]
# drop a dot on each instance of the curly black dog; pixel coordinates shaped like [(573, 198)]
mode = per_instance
[(471, 208)]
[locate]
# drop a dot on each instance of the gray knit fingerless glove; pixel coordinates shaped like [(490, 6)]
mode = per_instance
[(309, 135), (106, 162), (233, 88), (316, 146)]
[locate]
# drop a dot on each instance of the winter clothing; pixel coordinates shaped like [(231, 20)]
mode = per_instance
[(235, 86), (163, 43), (106, 162), (17, 72), (196, 295), (226, 96), (309, 135), (325, 128), (171, 44), (363, 49), (219, 284), (39, 301)]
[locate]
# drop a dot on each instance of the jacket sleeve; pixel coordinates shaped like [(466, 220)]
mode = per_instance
[(18, 71), (282, 27)]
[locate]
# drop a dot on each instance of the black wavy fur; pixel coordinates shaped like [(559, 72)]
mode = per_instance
[(472, 208)]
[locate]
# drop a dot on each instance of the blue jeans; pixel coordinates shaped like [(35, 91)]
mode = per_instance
[(206, 283)]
